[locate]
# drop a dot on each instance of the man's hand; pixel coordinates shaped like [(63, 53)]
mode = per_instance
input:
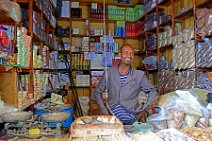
[(141, 115)]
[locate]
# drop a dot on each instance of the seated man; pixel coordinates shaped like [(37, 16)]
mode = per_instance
[(123, 84)]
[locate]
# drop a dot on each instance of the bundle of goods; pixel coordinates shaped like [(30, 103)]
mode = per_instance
[(203, 22), (150, 63), (165, 38), (204, 80), (204, 54), (181, 110), (150, 21), (184, 55), (166, 81), (12, 9), (151, 42), (185, 79)]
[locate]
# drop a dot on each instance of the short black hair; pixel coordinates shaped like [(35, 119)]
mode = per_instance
[(124, 45)]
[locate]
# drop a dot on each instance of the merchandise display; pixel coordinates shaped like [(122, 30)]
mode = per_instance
[(53, 54)]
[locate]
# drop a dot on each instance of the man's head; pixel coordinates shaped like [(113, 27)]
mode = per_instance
[(126, 54)]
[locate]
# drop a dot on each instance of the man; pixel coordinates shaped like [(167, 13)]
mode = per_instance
[(123, 84)]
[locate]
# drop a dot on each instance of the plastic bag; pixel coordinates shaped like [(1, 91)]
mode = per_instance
[(159, 121), (182, 105)]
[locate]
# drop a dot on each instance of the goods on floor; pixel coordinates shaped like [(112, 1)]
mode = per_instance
[(96, 125)]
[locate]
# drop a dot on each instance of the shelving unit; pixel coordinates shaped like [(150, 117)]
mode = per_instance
[(14, 91), (86, 23), (186, 19)]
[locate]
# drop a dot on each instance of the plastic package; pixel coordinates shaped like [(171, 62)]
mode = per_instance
[(159, 121), (176, 118)]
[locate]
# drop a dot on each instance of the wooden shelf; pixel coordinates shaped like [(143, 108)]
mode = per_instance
[(78, 35), (19, 69), (81, 69), (184, 15), (36, 39), (206, 3), (169, 22), (142, 18), (97, 20), (112, 21), (95, 36), (118, 37), (152, 51), (98, 69), (164, 3), (65, 51), (63, 19), (152, 31), (65, 36), (166, 47), (37, 68), (78, 19), (150, 11), (140, 53), (55, 70), (205, 68)]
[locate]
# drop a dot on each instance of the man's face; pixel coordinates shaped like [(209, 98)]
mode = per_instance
[(127, 55)]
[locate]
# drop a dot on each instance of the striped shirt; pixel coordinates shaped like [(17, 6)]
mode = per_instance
[(123, 78), (124, 115)]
